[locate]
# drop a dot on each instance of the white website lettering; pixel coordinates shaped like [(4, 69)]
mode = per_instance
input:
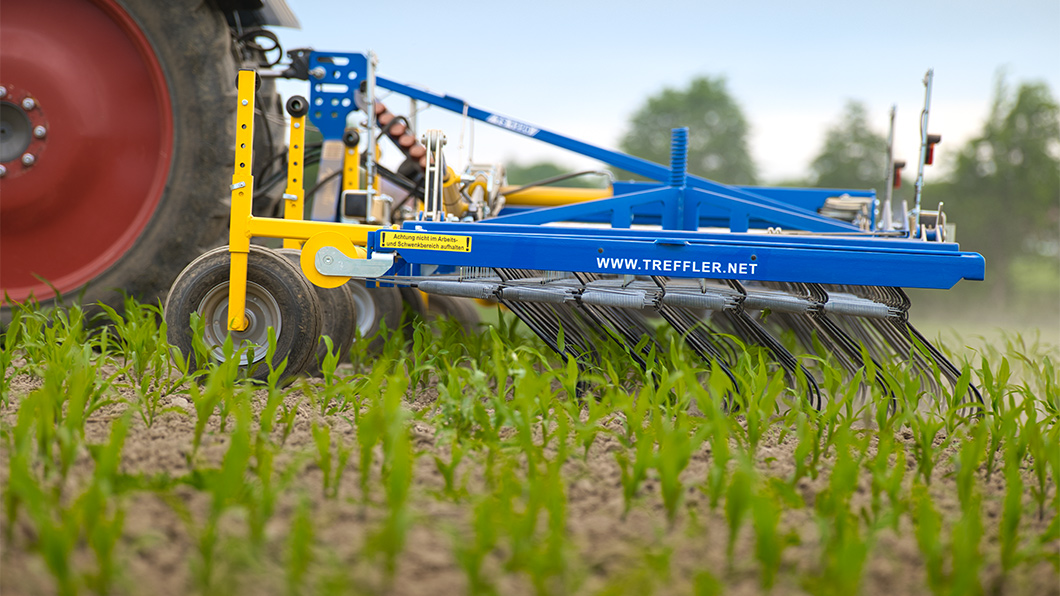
[(676, 266)]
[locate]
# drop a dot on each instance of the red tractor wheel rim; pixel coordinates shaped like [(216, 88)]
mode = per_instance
[(99, 169)]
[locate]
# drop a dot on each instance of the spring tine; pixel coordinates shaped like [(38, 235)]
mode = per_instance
[(623, 329), (846, 343), (699, 338), (902, 338), (752, 329), (546, 321), (852, 325), (758, 335), (614, 307)]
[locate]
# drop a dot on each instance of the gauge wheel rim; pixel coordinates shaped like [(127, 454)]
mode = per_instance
[(262, 312), (365, 310)]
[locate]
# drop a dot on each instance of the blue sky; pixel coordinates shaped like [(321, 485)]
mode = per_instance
[(582, 68)]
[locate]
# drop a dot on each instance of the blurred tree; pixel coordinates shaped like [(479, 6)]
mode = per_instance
[(1004, 191), (519, 174), (717, 136), (853, 156)]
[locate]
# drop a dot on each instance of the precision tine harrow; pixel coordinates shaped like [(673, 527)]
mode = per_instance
[(788, 270)]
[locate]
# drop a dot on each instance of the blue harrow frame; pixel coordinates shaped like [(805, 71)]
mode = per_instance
[(826, 250)]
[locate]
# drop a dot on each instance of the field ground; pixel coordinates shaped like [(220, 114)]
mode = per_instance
[(472, 464)]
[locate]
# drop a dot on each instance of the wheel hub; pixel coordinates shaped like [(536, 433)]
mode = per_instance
[(23, 133), (262, 311)]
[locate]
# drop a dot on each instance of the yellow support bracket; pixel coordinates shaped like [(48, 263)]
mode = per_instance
[(271, 227), (351, 168), (242, 194), (294, 196)]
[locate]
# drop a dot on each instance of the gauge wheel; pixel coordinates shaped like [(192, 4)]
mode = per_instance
[(374, 308), (278, 297), (464, 310), (339, 316)]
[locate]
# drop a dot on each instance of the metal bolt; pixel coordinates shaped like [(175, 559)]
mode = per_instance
[(245, 102), (3, 171), (40, 132), (297, 125), (28, 159), (318, 72), (28, 103), (328, 260), (3, 92)]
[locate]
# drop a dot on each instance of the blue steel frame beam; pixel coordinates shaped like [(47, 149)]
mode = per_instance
[(852, 242), (763, 258)]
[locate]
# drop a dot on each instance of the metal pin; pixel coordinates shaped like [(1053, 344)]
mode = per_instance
[(245, 102), (40, 132), (3, 170), (28, 159), (3, 92), (28, 103)]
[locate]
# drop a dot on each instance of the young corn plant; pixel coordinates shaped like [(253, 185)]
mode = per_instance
[(1040, 453), (300, 553), (926, 427), (102, 530), (967, 557), (737, 501), (471, 554), (149, 361), (11, 344), (639, 439), (928, 529), (967, 462), (769, 544), (398, 461), (678, 440), (1012, 508)]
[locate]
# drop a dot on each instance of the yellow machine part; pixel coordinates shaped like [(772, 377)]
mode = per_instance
[(351, 169), (242, 192), (552, 196), (294, 195), (244, 225), (454, 201), (318, 241)]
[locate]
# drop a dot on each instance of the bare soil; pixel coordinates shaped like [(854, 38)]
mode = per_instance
[(612, 552)]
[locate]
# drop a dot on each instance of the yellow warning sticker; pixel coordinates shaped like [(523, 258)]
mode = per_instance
[(422, 241)]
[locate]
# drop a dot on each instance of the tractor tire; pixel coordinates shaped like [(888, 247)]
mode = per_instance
[(129, 176)]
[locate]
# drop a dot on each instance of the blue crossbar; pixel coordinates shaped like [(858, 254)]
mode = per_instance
[(764, 257)]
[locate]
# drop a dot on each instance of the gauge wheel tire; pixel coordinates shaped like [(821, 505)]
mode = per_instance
[(151, 172), (373, 308), (339, 316), (461, 309), (278, 296)]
